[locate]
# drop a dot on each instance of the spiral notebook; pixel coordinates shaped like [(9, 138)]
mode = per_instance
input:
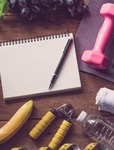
[(27, 66)]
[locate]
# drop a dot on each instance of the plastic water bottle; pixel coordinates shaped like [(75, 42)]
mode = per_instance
[(99, 129)]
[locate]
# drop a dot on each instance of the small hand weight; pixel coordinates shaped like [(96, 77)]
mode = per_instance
[(96, 57)]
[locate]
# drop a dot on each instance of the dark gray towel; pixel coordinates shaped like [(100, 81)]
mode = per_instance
[(86, 36)]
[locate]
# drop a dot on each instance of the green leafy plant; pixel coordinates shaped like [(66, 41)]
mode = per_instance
[(4, 7)]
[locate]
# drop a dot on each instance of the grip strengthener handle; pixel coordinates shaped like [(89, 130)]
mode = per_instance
[(60, 134), (43, 124)]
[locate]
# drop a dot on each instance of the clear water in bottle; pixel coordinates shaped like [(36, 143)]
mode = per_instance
[(99, 129)]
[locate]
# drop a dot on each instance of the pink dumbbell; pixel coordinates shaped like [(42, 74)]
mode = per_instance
[(96, 57)]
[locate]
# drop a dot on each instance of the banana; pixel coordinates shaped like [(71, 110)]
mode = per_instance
[(16, 122)]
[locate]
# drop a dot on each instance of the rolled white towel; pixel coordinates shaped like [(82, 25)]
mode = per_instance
[(105, 100)]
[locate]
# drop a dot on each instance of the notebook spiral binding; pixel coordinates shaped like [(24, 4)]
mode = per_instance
[(33, 39)]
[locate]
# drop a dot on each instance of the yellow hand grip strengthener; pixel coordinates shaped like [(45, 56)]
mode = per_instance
[(65, 110)]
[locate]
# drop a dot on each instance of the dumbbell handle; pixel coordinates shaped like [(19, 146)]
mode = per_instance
[(104, 34)]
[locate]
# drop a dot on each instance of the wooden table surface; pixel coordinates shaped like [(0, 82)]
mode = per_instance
[(14, 28)]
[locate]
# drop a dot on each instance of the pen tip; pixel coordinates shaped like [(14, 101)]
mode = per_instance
[(50, 86)]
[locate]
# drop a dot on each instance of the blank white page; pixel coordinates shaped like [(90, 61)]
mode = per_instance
[(26, 68)]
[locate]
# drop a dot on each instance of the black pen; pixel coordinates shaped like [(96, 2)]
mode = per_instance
[(56, 73)]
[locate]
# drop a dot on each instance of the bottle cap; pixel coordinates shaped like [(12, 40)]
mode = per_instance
[(82, 116)]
